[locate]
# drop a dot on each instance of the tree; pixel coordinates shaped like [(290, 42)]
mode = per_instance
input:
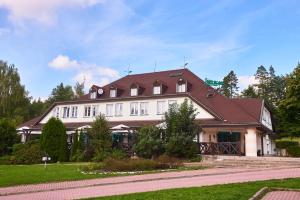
[(8, 136), (249, 92), (14, 98), (75, 144), (149, 142), (181, 129), (262, 76), (79, 89), (54, 140), (230, 88), (36, 108), (100, 137), (289, 107), (61, 93)]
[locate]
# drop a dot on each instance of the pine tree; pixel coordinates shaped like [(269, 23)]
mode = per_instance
[(249, 92), (61, 93), (230, 82), (79, 89), (262, 75)]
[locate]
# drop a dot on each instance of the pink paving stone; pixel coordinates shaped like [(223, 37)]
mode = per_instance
[(153, 182), (282, 195)]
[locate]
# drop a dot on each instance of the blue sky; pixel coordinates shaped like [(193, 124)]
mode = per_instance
[(96, 40)]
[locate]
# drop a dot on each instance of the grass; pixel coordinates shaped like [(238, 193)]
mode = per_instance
[(291, 139), (29, 174), (240, 191)]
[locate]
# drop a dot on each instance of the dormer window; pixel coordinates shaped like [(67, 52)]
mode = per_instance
[(93, 95), (113, 93), (134, 91), (181, 86), (156, 89)]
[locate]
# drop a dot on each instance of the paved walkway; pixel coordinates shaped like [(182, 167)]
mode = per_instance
[(143, 183), (282, 195)]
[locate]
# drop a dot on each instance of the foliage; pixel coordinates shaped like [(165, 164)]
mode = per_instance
[(54, 140), (283, 144), (36, 108), (172, 162), (14, 98), (230, 82), (149, 142), (249, 92), (28, 153), (79, 89), (8, 136), (75, 143), (293, 151), (197, 158), (61, 93), (289, 107), (181, 130)]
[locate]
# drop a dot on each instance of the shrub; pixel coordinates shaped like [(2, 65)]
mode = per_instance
[(293, 151), (169, 161), (149, 142), (5, 160), (54, 140), (284, 144), (28, 153), (8, 136), (75, 143), (181, 146), (197, 158)]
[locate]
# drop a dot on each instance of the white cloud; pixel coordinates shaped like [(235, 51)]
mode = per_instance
[(42, 11), (244, 81), (85, 72)]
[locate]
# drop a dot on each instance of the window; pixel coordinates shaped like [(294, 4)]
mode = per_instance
[(109, 110), (133, 92), (119, 109), (74, 110), (181, 87), (87, 111), (172, 103), (94, 110), (156, 90), (66, 111), (56, 112), (93, 95), (113, 93), (144, 108), (161, 107), (134, 108)]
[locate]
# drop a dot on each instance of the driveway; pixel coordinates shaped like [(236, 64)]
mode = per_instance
[(143, 183)]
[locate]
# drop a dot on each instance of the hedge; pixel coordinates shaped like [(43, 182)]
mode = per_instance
[(293, 151), (284, 144)]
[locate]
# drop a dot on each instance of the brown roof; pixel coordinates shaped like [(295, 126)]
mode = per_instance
[(229, 111)]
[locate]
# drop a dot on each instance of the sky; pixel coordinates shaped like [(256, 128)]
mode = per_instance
[(99, 40)]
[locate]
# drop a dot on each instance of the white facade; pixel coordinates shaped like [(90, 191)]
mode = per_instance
[(266, 118), (123, 110)]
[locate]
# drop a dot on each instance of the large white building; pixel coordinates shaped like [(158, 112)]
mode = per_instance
[(229, 126)]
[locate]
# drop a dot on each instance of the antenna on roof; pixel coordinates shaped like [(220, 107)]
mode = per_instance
[(155, 66), (128, 71), (185, 64)]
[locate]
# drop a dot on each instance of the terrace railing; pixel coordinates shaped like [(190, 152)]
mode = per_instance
[(220, 148)]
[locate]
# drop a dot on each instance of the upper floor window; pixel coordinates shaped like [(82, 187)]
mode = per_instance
[(144, 108), (87, 111), (156, 89), (74, 110), (109, 110), (94, 110), (181, 86), (134, 91), (66, 112), (134, 110), (93, 95), (161, 107), (118, 109), (56, 112), (113, 93)]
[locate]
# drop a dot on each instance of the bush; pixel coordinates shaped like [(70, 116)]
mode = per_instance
[(197, 158), (149, 143), (5, 160), (293, 151), (28, 153), (284, 144), (172, 162), (54, 140), (181, 146), (8, 136)]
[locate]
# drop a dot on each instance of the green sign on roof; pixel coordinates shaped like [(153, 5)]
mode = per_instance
[(213, 83)]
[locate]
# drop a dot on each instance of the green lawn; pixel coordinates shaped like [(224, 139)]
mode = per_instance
[(25, 174), (242, 191)]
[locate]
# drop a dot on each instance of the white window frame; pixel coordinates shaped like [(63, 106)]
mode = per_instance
[(109, 110), (66, 112), (161, 110), (135, 106), (56, 112), (74, 111), (144, 108), (94, 110), (156, 90), (93, 95), (113, 93), (134, 91), (181, 87), (87, 111), (118, 109)]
